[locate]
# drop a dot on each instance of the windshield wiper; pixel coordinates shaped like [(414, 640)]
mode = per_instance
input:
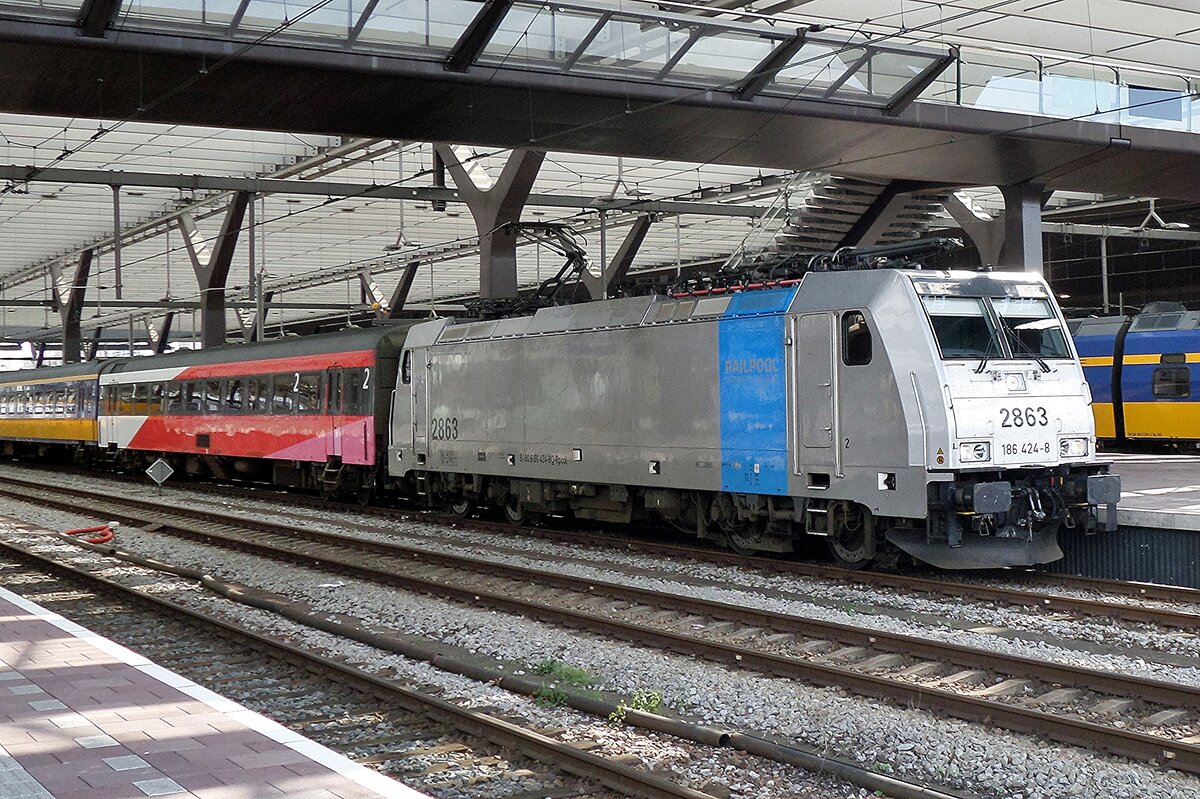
[(1017, 343), (983, 361)]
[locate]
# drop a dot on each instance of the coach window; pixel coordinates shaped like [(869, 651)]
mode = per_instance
[(406, 368), (856, 339), (354, 396), (173, 403), (258, 395), (125, 400), (155, 406), (141, 398), (212, 396), (194, 398), (233, 396), (283, 396), (308, 393), (1172, 382)]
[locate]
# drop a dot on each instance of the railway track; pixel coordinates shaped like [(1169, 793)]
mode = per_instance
[(945, 586), (1072, 705), (1042, 595), (369, 718)]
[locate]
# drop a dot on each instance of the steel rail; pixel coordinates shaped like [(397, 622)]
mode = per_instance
[(914, 583), (1156, 691), (611, 774), (1181, 755)]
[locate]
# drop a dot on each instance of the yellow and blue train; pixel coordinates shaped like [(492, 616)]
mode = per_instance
[(1144, 373)]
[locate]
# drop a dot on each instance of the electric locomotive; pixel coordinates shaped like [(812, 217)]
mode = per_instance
[(942, 414)]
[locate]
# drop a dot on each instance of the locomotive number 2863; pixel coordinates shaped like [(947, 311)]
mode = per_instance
[(1024, 417), (443, 428)]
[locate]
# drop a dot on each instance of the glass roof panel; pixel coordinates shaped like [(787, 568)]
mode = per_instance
[(638, 45), (539, 35), (218, 13), (335, 18), (888, 72), (41, 9), (722, 58), (431, 26), (816, 68)]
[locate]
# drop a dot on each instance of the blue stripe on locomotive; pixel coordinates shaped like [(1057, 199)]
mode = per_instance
[(753, 388), (1099, 378)]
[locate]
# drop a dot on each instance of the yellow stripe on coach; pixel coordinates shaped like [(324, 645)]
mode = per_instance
[(48, 429)]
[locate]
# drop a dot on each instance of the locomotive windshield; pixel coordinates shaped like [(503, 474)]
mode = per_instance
[(1031, 327), (962, 326), (995, 327)]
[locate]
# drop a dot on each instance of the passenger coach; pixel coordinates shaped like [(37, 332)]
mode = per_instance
[(1144, 372), (50, 410), (305, 412)]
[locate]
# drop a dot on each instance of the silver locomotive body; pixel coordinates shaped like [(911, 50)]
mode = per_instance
[(847, 405)]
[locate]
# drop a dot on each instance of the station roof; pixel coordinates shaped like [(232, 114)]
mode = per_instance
[(315, 246)]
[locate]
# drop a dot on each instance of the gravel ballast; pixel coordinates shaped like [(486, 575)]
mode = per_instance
[(911, 743)]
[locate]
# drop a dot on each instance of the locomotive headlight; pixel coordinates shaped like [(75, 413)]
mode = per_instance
[(1072, 447), (974, 452)]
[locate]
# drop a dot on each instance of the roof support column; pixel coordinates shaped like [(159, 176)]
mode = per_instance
[(68, 299), (985, 231), (597, 285), (493, 204), (159, 336), (94, 345), (1022, 248), (212, 268)]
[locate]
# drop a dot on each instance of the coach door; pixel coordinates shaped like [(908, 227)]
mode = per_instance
[(336, 416), (817, 392)]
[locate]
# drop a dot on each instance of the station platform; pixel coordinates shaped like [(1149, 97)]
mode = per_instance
[(1158, 490), (1158, 538), (82, 717)]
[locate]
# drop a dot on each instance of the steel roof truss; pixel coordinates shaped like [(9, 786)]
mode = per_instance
[(477, 35), (766, 70), (97, 16), (922, 81)]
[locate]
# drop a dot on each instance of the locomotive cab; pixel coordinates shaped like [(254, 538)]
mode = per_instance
[(1016, 457)]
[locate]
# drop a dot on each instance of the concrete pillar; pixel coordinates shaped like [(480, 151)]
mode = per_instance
[(1022, 250), (212, 266), (69, 292), (985, 231), (493, 204)]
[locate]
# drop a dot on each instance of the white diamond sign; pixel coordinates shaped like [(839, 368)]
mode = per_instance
[(159, 471)]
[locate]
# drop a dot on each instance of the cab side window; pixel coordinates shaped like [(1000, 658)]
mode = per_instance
[(856, 339)]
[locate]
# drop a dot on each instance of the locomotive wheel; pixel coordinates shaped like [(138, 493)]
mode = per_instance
[(740, 545), (515, 512), (853, 542), (464, 507)]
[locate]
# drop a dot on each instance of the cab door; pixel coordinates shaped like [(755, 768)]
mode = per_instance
[(420, 403), (817, 392)]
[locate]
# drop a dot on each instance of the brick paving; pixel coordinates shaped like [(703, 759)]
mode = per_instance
[(84, 718)]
